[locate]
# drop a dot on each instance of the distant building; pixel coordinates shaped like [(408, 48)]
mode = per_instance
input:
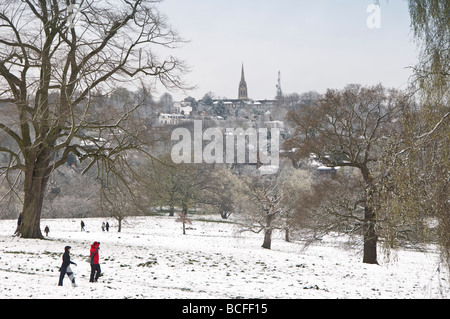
[(249, 103), (183, 107), (234, 106), (171, 119), (243, 93), (243, 101)]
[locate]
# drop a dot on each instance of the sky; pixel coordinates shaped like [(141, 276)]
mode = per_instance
[(315, 45)]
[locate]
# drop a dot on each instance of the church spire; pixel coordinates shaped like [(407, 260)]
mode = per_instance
[(243, 94)]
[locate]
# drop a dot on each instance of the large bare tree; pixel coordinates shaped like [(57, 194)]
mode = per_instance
[(346, 128), (56, 57)]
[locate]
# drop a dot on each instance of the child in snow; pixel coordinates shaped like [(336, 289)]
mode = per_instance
[(65, 268), (95, 262)]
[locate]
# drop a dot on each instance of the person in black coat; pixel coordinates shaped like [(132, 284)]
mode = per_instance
[(65, 268)]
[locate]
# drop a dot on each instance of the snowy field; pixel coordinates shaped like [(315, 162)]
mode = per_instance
[(151, 259)]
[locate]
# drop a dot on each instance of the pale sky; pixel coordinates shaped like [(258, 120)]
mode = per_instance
[(315, 44)]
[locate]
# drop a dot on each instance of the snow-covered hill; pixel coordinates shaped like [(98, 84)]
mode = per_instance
[(151, 258)]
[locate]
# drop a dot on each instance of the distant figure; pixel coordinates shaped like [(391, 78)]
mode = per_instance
[(107, 226), (95, 262), (82, 226), (65, 268), (19, 221), (46, 230), (103, 226)]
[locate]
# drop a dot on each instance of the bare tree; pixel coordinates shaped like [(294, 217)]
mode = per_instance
[(263, 206), (338, 205), (268, 202), (271, 202), (298, 196), (346, 129), (166, 102), (159, 178), (118, 200), (176, 185), (223, 192), (54, 55)]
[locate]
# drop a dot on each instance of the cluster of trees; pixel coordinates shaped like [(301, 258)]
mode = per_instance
[(397, 141), (262, 203), (347, 129), (44, 55), (59, 82)]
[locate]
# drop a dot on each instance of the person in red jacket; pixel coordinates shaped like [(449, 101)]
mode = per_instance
[(95, 262)]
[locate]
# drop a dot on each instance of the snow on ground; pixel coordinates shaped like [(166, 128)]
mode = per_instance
[(151, 259)]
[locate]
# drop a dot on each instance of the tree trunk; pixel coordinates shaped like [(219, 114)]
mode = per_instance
[(172, 211), (370, 237), (286, 235), (268, 232), (36, 179), (267, 238), (184, 213)]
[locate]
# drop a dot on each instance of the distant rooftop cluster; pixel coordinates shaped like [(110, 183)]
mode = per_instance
[(222, 108)]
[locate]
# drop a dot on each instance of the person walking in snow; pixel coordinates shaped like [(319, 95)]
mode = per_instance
[(46, 230), (65, 268), (82, 225), (107, 226), (95, 262), (103, 226)]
